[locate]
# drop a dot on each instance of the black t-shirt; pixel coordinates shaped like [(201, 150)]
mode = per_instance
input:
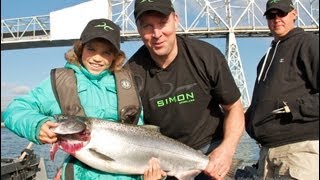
[(183, 99)]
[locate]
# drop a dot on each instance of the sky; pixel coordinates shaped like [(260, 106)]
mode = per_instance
[(22, 70)]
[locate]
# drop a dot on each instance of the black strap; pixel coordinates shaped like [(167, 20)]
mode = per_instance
[(69, 170), (64, 87), (129, 103)]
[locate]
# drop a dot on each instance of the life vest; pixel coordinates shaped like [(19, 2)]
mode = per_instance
[(64, 85)]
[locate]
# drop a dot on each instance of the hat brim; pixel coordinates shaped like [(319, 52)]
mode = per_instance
[(153, 8), (284, 9), (108, 38)]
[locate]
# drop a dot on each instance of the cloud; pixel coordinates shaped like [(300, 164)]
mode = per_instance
[(20, 90), (13, 89), (10, 91)]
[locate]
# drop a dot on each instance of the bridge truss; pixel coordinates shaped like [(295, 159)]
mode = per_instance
[(198, 18)]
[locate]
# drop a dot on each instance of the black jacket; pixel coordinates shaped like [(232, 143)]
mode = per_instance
[(290, 74)]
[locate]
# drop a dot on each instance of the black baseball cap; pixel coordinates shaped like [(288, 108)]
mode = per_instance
[(283, 5), (163, 6), (102, 28)]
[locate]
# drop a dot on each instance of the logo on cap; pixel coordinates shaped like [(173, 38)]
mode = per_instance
[(142, 1), (104, 26), (274, 1)]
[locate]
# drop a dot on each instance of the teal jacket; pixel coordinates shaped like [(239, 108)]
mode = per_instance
[(98, 96)]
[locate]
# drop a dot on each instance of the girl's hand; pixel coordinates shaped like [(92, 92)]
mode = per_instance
[(46, 136)]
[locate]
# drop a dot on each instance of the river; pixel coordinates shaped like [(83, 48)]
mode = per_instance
[(12, 145)]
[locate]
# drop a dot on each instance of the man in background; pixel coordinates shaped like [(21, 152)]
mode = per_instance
[(284, 114)]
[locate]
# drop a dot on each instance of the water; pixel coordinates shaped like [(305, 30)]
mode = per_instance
[(248, 150), (12, 145)]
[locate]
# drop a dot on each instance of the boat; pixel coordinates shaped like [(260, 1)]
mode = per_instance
[(29, 168), (26, 167)]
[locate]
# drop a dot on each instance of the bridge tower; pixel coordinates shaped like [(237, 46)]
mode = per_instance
[(234, 60)]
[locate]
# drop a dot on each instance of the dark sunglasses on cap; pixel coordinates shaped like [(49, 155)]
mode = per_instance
[(272, 15)]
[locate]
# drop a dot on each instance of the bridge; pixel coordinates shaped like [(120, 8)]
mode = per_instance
[(229, 19)]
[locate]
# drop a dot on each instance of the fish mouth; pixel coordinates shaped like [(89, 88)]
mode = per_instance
[(70, 143)]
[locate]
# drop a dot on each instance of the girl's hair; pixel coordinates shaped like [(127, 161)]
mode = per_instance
[(74, 56)]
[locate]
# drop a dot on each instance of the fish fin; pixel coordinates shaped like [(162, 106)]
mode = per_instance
[(100, 155), (152, 127), (188, 175)]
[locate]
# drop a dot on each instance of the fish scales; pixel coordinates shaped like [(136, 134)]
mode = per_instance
[(126, 149)]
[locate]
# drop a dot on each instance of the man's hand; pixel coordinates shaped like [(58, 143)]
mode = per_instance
[(219, 164), (153, 172)]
